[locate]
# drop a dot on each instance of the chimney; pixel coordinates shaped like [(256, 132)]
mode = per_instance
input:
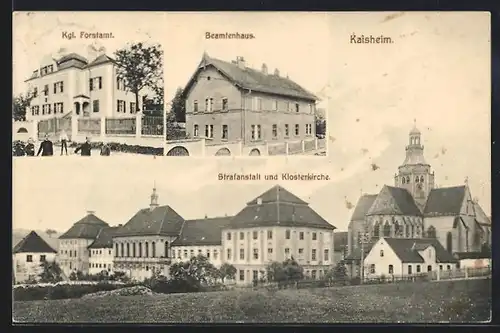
[(240, 61), (120, 225), (277, 72), (90, 212), (264, 69)]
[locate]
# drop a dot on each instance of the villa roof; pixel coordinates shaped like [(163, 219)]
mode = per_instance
[(202, 232), (33, 243), (86, 228), (104, 238), (407, 249)]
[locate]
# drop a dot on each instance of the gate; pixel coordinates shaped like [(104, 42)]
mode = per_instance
[(223, 152), (152, 125), (178, 151), (255, 152)]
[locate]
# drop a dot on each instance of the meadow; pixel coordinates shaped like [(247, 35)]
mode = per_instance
[(420, 302)]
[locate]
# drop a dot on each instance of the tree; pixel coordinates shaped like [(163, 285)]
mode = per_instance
[(288, 270), (19, 105), (50, 232), (197, 271), (140, 66), (337, 273), (51, 272), (178, 107), (227, 271)]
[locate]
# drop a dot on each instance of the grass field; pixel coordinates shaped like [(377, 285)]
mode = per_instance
[(426, 302)]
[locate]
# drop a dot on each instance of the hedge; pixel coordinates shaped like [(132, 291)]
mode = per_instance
[(62, 291)]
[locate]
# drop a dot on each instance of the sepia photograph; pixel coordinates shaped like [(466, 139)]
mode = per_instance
[(243, 89), (86, 84)]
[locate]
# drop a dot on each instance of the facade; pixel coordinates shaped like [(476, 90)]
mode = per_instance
[(228, 102), (101, 252), (73, 253), (276, 226), (407, 256), (414, 208), (28, 256), (76, 85)]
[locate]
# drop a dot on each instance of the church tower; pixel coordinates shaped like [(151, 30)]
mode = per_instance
[(154, 199), (415, 174)]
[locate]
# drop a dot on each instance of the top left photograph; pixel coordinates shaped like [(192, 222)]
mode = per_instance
[(87, 84)]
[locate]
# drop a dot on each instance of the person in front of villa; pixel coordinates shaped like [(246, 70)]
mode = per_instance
[(64, 141), (46, 147), (85, 148), (105, 150), (29, 149)]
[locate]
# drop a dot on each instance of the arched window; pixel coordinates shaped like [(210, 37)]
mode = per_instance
[(133, 250), (449, 242), (116, 250), (121, 254), (376, 230), (128, 249), (408, 179), (397, 229), (387, 229), (431, 232), (167, 250), (417, 179), (410, 230), (421, 179), (403, 180), (147, 249), (153, 250), (140, 250)]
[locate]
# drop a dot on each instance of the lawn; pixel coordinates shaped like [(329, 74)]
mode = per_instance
[(426, 302)]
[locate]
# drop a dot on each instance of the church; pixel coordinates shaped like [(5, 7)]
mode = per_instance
[(414, 208)]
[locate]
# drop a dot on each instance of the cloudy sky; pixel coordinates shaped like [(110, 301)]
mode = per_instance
[(38, 36), (295, 43)]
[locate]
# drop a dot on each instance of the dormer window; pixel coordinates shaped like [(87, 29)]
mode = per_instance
[(195, 106)]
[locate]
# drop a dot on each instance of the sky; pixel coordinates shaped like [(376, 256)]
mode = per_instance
[(38, 36), (295, 43), (436, 75)]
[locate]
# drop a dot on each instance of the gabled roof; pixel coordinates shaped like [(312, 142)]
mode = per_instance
[(471, 255), (481, 216), (445, 201), (161, 221), (104, 238), (364, 204), (101, 59), (248, 78), (33, 243), (86, 228), (207, 231), (340, 240), (394, 201), (280, 208), (407, 249), (72, 56)]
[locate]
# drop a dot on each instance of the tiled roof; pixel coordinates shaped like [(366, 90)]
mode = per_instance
[(104, 238), (280, 208), (471, 255), (86, 228), (445, 201), (248, 78), (207, 231), (339, 240), (101, 59), (72, 56), (33, 243), (394, 201), (161, 220), (362, 207), (407, 249), (481, 217)]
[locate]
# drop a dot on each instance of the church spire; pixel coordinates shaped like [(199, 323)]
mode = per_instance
[(154, 198)]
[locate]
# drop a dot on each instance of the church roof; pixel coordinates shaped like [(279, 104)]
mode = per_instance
[(445, 201), (202, 232), (34, 244), (407, 249), (86, 228), (248, 78), (279, 207), (162, 221), (481, 217), (104, 238), (394, 201), (362, 207)]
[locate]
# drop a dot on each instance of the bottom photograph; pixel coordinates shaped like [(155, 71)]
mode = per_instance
[(139, 246)]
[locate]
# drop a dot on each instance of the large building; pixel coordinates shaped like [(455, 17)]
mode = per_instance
[(415, 208), (28, 256), (101, 252), (228, 102), (73, 84)]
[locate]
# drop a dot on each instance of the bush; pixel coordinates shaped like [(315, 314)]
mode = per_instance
[(18, 148), (60, 291), (125, 148)]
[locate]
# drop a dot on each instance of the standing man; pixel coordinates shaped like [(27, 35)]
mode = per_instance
[(84, 148), (46, 147), (64, 141), (30, 148)]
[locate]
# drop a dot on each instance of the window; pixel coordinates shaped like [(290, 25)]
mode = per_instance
[(287, 234), (287, 131), (29, 258), (275, 105), (140, 250), (215, 254), (224, 104), (242, 235), (409, 270), (228, 236), (167, 250), (199, 252), (128, 250), (196, 130), (381, 253), (297, 107), (418, 268), (120, 83), (116, 250), (185, 253), (95, 105), (195, 106), (242, 275), (440, 267), (259, 132), (133, 250), (287, 253), (297, 129), (269, 252), (132, 107), (58, 87), (209, 131), (269, 234), (448, 267), (224, 132), (255, 275), (58, 108), (326, 255), (429, 268), (120, 106), (256, 253), (313, 274), (301, 253), (242, 254), (258, 104), (153, 249), (191, 253), (147, 249), (311, 108), (431, 232), (314, 236), (391, 269), (255, 235), (313, 254), (308, 129), (275, 131), (301, 235), (287, 106), (35, 92), (209, 103), (122, 253), (228, 254), (46, 90), (42, 258), (95, 83)]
